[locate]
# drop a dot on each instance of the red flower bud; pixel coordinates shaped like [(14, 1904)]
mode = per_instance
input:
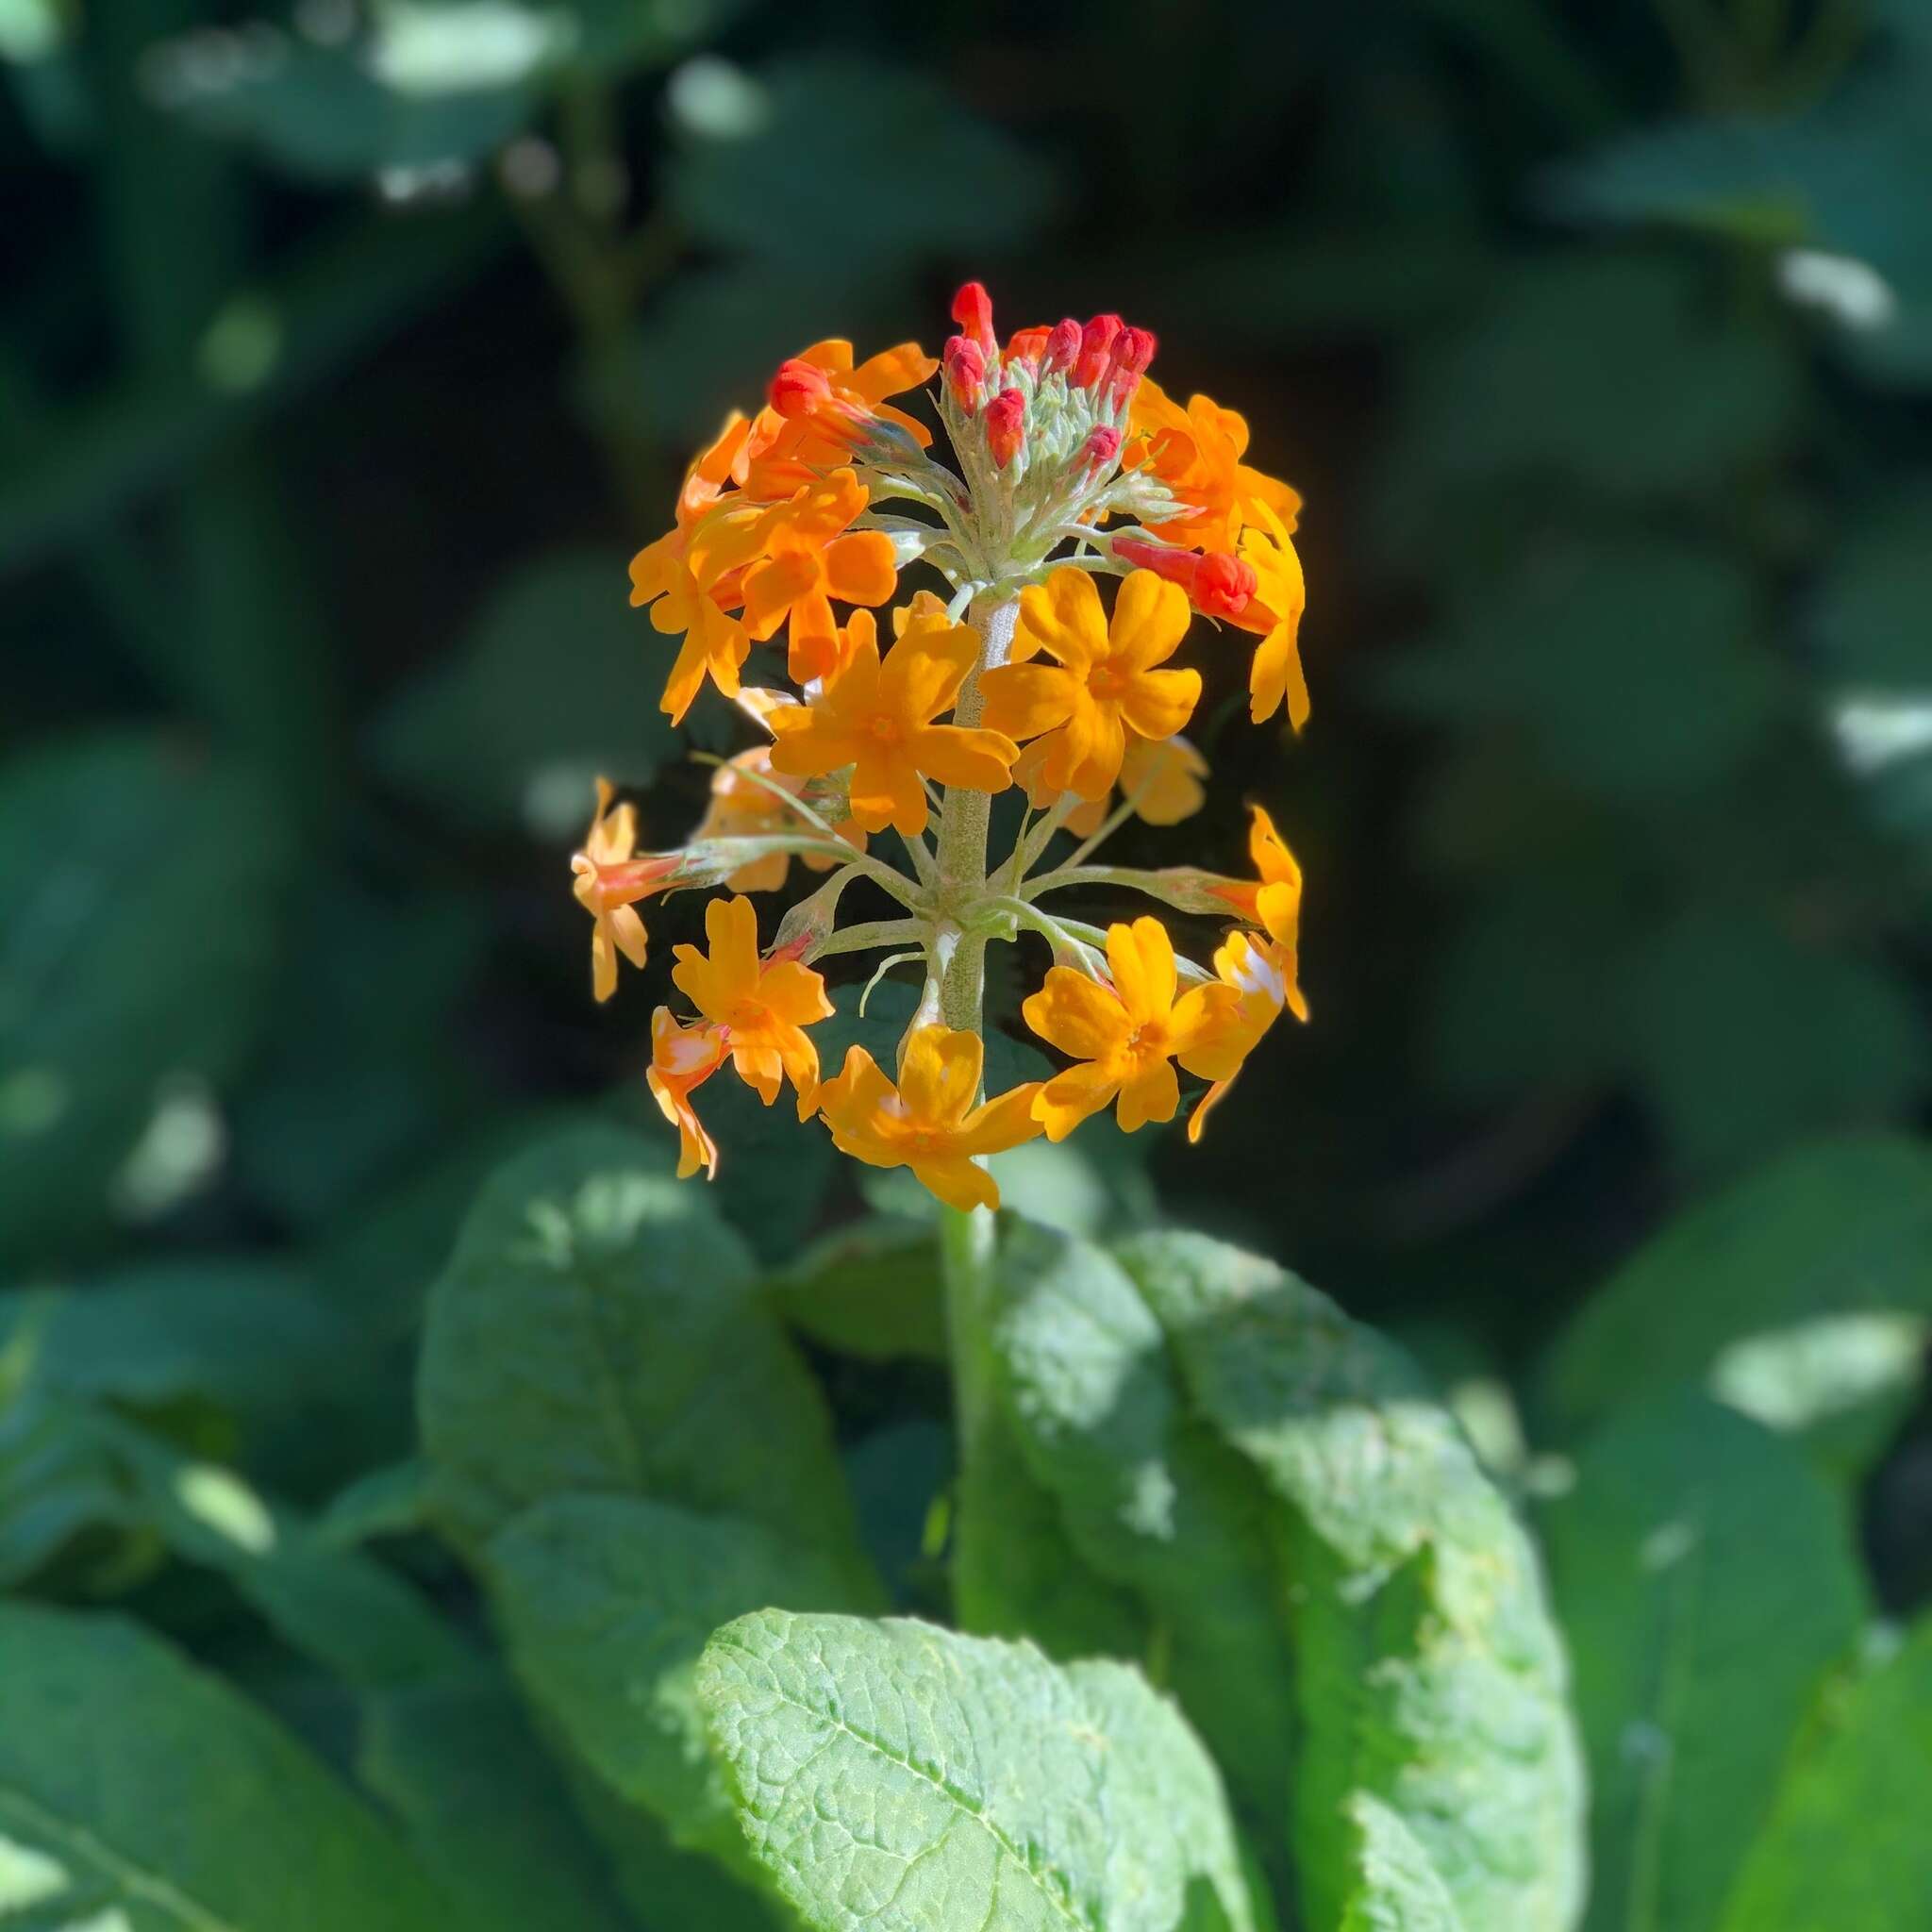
[(972, 311), (1096, 340), (1101, 448), (1027, 345), (1217, 585), (1133, 349), (965, 368), (1062, 346), (1005, 420), (799, 387), (1223, 585)]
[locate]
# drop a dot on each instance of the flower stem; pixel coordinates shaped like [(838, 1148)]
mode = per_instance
[(966, 1239)]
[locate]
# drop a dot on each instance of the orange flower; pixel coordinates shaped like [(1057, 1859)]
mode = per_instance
[(810, 555), (1128, 1034), (1162, 777), (822, 405), (763, 1006), (711, 470), (877, 717), (743, 808), (714, 644), (609, 880), (1274, 611), (684, 1057), (1273, 901), (1103, 682), (928, 1122), (1197, 453), (1263, 978)]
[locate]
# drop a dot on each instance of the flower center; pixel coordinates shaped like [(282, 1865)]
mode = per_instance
[(884, 729), (747, 1014), (1149, 1039), (1106, 683)]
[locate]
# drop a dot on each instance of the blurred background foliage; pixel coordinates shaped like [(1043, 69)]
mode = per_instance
[(348, 351)]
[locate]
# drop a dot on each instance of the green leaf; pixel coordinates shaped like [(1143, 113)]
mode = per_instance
[(137, 1789), (1396, 1888), (870, 1289), (1601, 368), (1707, 1583), (491, 734), (799, 177), (142, 892), (895, 1775), (248, 1334), (1710, 1003), (1801, 1295), (459, 1765), (606, 1602), (1428, 1666), (1148, 1497), (1661, 687), (1846, 1845), (597, 1330)]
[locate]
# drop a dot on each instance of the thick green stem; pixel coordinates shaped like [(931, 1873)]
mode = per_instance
[(961, 854), (966, 1240)]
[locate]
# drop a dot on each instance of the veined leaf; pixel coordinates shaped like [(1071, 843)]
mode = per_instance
[(896, 1777), (607, 1603), (1846, 1845), (136, 1790), (1150, 1499), (1427, 1667), (598, 1331), (1707, 1583), (870, 1289), (1396, 1888), (1797, 1295)]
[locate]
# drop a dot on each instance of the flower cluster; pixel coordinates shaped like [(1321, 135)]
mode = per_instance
[(1069, 465)]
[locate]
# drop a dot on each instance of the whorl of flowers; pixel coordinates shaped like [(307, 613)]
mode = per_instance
[(1069, 465)]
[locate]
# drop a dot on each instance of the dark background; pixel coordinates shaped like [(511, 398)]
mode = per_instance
[(346, 357)]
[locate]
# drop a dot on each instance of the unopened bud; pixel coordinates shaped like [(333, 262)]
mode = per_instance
[(1062, 347), (1027, 345), (972, 311), (1222, 586), (965, 366), (799, 387), (1100, 449), (1096, 341), (812, 922), (1217, 585), (1133, 350), (1005, 424)]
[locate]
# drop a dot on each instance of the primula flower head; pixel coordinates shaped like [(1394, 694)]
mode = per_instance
[(928, 1122), (1067, 463)]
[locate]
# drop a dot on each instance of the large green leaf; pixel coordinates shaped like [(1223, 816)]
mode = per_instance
[(870, 1289), (136, 1790), (457, 1764), (1801, 1295), (1427, 1668), (1396, 1888), (1706, 1582), (606, 1604), (896, 1777), (597, 1330), (142, 889), (1148, 1497), (1847, 1846)]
